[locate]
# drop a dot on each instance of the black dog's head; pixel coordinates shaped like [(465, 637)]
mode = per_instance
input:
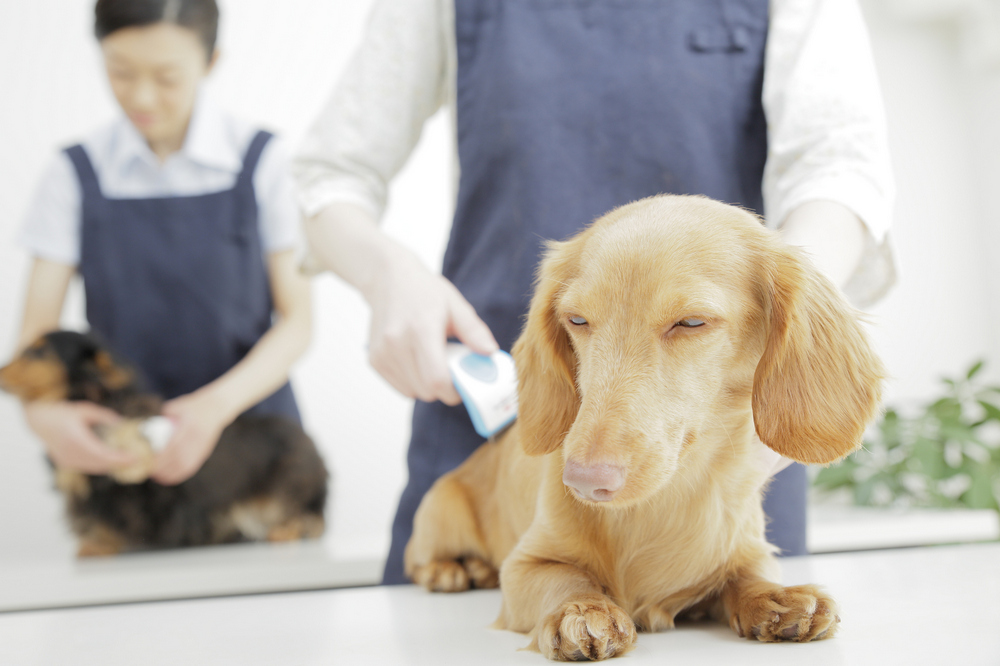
[(65, 365)]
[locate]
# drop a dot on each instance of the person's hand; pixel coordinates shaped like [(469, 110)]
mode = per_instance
[(770, 460), (832, 235), (199, 419), (414, 312), (66, 430)]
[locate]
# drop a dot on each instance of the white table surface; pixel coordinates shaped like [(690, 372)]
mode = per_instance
[(836, 529), (57, 579), (250, 568), (937, 605)]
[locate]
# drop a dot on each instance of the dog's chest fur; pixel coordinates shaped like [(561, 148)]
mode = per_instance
[(663, 556)]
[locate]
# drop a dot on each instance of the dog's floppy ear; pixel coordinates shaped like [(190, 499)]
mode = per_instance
[(112, 375), (547, 397), (818, 383)]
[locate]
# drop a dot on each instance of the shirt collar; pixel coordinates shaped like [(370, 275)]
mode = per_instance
[(209, 141), (211, 138)]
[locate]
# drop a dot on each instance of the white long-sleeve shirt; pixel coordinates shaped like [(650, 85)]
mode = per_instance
[(826, 128)]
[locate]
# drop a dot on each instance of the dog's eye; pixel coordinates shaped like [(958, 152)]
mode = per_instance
[(578, 321), (691, 322)]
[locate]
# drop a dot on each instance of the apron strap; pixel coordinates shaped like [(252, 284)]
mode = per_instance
[(252, 157), (84, 171), (90, 184)]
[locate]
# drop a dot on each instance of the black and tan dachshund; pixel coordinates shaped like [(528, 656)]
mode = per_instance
[(265, 479)]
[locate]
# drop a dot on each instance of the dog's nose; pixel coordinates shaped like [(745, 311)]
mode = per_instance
[(597, 483)]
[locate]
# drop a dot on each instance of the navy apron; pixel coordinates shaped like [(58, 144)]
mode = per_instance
[(178, 285), (567, 109)]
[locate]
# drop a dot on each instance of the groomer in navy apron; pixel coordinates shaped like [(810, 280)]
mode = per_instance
[(564, 110), (180, 221)]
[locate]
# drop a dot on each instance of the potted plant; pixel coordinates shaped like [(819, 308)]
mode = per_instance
[(946, 454)]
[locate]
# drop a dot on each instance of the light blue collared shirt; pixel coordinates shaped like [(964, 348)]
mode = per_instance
[(209, 161)]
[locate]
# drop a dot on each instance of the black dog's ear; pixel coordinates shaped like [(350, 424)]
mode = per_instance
[(72, 348), (89, 347), (93, 371), (113, 376), (36, 374)]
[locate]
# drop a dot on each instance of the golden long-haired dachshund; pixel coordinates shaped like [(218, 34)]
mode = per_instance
[(663, 343), (264, 480)]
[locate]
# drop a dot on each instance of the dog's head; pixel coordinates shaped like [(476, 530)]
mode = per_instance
[(673, 317), (65, 365)]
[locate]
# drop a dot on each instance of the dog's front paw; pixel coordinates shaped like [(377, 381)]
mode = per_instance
[(771, 613), (591, 628), (456, 575)]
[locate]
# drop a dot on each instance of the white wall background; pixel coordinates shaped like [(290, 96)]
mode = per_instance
[(944, 137), (279, 63)]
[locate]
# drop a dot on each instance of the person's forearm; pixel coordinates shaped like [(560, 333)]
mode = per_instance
[(265, 368), (43, 301), (262, 371), (414, 310), (832, 235), (347, 240)]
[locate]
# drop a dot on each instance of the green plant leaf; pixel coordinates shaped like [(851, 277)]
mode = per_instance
[(946, 409), (912, 449), (863, 492), (836, 476), (889, 426), (980, 493), (992, 411), (957, 431), (930, 456)]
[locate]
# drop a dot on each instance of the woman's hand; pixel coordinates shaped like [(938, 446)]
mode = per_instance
[(770, 460), (831, 234), (66, 430), (199, 419), (414, 312)]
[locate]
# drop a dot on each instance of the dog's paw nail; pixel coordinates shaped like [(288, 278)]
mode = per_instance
[(756, 631), (837, 618), (775, 619), (821, 634), (790, 632)]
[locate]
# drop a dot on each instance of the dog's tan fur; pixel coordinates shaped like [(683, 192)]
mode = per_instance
[(781, 356), (37, 374), (127, 436)]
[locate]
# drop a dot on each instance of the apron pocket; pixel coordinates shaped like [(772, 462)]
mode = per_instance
[(719, 39)]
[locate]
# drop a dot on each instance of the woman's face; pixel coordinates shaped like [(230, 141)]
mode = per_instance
[(154, 73)]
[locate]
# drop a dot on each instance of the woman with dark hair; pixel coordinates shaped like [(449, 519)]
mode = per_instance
[(199, 16), (182, 223)]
